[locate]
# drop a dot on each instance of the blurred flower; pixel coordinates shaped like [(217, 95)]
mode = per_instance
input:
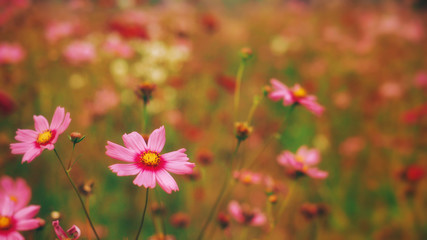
[(12, 221), (243, 130), (9, 8), (312, 210), (158, 208), (131, 24), (303, 162), (11, 53), (104, 100), (55, 215), (56, 31), (421, 80), (245, 215), (294, 95), (223, 220), (32, 143), (7, 104), (80, 52), (210, 22), (17, 191), (391, 90), (180, 220), (204, 157), (351, 146), (412, 173), (117, 47), (71, 234), (145, 91), (414, 115), (145, 161), (342, 100), (246, 53), (247, 177), (227, 82), (194, 175)]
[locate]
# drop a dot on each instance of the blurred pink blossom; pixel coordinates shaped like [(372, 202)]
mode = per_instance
[(351, 146), (117, 47), (104, 100), (391, 90), (56, 31), (245, 215), (11, 53), (421, 79), (79, 52), (71, 234), (17, 191), (247, 177)]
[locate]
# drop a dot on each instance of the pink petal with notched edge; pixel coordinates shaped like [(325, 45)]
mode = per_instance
[(31, 154), (157, 139), (14, 236), (166, 181), (312, 157), (281, 91), (58, 118), (7, 207), (146, 178), (236, 211), (316, 173), (65, 124), (74, 231), (125, 169), (21, 148), (27, 213), (135, 142), (277, 85), (29, 224), (258, 220), (179, 168), (119, 152), (26, 135), (311, 104), (40, 123), (176, 156), (60, 233), (7, 183)]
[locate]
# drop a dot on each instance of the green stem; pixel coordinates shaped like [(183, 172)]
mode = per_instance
[(144, 117), (70, 163), (143, 215), (237, 89), (78, 194), (221, 194)]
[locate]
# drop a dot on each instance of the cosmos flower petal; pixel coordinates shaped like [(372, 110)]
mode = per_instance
[(60, 233), (125, 169), (258, 220), (135, 142), (31, 154), (58, 118), (316, 173), (312, 105), (176, 156), (74, 231), (26, 135), (28, 224), (14, 236), (157, 139), (277, 85), (179, 167), (6, 183), (236, 211), (40, 123), (22, 193), (27, 212), (146, 178), (312, 157), (7, 208), (64, 125), (119, 152), (21, 148), (166, 181)]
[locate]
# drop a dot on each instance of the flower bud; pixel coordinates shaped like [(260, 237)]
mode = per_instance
[(76, 137), (55, 215), (272, 198), (180, 220), (204, 157), (223, 220), (246, 53), (87, 187), (145, 91), (158, 208), (243, 130)]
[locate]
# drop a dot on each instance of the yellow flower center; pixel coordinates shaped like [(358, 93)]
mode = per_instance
[(13, 198), (5, 223), (149, 158), (300, 92), (44, 137), (299, 158), (247, 179)]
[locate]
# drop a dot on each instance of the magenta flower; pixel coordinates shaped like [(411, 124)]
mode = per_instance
[(32, 143), (12, 221), (80, 52), (304, 162), (144, 160), (11, 53), (71, 234), (294, 95), (245, 215), (17, 191)]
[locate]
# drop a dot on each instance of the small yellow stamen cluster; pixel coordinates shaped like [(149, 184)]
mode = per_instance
[(300, 92), (5, 223), (13, 198), (150, 158), (44, 137), (300, 159)]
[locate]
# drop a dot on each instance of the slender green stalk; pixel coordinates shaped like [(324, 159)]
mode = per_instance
[(221, 194), (255, 104), (70, 163), (288, 197), (143, 215), (78, 194), (144, 117), (237, 89)]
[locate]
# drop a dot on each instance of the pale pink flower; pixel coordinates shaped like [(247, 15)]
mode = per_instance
[(11, 53), (56, 31), (247, 177), (12, 221), (79, 52), (246, 215), (17, 191), (391, 90), (71, 234), (421, 79), (117, 47), (145, 161), (32, 143), (303, 161), (294, 95)]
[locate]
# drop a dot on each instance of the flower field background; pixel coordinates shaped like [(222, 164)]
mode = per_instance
[(300, 119)]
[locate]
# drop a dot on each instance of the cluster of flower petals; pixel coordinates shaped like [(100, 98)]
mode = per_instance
[(245, 215), (72, 233)]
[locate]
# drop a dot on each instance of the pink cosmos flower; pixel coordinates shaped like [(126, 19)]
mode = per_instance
[(13, 221), (245, 215), (294, 95), (17, 191), (71, 234), (56, 31), (11, 53), (32, 143), (117, 47), (79, 52), (303, 161), (247, 177), (144, 160)]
